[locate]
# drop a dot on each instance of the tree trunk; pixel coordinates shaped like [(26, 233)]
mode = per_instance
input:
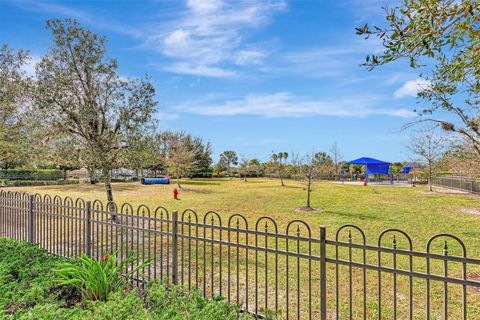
[(309, 190), (430, 178), (178, 180), (245, 177), (107, 177), (91, 174)]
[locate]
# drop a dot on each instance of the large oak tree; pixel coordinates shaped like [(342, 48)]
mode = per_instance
[(82, 94)]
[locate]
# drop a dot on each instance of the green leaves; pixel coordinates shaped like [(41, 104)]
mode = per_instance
[(444, 36), (83, 97), (97, 279)]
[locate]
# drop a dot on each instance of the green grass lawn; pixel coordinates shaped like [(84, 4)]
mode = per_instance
[(374, 208), (414, 210)]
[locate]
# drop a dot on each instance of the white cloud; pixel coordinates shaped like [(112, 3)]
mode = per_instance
[(199, 70), (177, 39), (211, 33), (284, 104), (204, 5), (245, 57), (411, 88), (166, 116)]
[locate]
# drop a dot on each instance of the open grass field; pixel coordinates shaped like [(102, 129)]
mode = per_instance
[(373, 208), (414, 210)]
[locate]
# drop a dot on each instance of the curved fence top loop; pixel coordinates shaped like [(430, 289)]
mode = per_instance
[(345, 226), (393, 230), (238, 216), (300, 222), (97, 205), (112, 206), (161, 210), (68, 201), (447, 235), (190, 212), (80, 202), (47, 198), (126, 208), (57, 200), (266, 221), (144, 209), (212, 214)]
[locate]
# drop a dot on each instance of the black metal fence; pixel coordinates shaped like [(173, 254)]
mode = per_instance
[(468, 184), (295, 274)]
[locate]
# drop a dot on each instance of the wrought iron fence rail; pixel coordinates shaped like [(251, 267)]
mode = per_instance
[(403, 272), (250, 232), (405, 252)]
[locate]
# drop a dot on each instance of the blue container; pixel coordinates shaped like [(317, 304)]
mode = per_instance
[(155, 181)]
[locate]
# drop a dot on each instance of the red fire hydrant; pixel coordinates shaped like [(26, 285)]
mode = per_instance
[(175, 194)]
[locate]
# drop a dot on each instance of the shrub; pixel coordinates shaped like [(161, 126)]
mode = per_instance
[(177, 304), (28, 290), (32, 174), (29, 183), (96, 279), (25, 276)]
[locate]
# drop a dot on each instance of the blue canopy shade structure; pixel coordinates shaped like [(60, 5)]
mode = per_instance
[(407, 169), (372, 166)]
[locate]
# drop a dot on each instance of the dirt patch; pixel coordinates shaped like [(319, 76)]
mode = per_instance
[(470, 210), (306, 209), (443, 191)]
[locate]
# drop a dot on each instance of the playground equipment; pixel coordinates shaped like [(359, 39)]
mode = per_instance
[(163, 180)]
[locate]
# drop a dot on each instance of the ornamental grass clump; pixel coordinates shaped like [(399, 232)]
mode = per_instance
[(97, 279)]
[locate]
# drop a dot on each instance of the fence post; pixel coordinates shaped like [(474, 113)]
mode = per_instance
[(88, 229), (323, 273), (175, 248), (31, 219)]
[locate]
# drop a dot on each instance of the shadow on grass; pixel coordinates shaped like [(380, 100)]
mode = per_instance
[(251, 181), (360, 216), (200, 182), (284, 187), (201, 191)]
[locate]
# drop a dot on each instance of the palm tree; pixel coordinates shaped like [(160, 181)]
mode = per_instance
[(277, 159)]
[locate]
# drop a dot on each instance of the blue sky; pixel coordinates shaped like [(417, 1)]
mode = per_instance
[(251, 76)]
